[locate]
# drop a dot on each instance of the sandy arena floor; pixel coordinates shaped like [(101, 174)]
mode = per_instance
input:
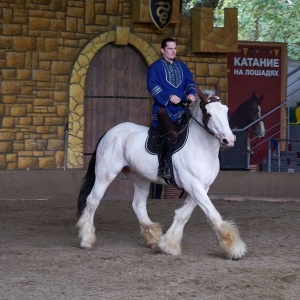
[(40, 257)]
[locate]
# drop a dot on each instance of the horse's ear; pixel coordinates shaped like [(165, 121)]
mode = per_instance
[(218, 88), (201, 95), (261, 99)]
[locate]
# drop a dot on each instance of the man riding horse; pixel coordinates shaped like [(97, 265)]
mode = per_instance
[(170, 84)]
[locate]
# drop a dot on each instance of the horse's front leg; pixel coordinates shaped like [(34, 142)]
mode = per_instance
[(170, 243), (227, 232)]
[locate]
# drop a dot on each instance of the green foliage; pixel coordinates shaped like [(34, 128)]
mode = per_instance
[(188, 4), (268, 21), (208, 3)]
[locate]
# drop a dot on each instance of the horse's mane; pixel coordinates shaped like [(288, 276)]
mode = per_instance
[(235, 117), (239, 117), (209, 93), (196, 105), (244, 105)]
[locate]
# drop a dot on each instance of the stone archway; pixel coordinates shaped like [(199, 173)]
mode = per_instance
[(119, 36)]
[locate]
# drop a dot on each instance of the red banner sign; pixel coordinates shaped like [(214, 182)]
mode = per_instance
[(256, 85)]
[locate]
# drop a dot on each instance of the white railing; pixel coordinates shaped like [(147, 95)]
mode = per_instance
[(274, 151)]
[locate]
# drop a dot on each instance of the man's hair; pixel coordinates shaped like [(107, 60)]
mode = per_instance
[(165, 41)]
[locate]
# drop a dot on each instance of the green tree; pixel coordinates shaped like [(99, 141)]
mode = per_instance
[(268, 21), (188, 4)]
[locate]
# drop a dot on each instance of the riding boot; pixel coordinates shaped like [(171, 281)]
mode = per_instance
[(164, 159)]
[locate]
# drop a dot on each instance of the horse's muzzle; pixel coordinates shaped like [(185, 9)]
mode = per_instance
[(226, 143)]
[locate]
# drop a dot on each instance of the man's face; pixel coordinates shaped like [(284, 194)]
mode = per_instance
[(169, 52)]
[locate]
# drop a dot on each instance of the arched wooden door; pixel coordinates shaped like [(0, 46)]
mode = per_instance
[(115, 92)]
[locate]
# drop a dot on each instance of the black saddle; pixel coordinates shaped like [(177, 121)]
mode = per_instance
[(156, 135), (154, 141)]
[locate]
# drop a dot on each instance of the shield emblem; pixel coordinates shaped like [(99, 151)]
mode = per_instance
[(160, 12)]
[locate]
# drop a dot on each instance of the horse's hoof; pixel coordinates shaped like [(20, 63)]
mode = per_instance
[(236, 258), (86, 246), (167, 247), (152, 246)]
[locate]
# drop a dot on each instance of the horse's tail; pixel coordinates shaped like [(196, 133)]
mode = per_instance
[(88, 183)]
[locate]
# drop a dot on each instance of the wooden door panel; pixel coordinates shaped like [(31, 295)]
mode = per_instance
[(115, 92)]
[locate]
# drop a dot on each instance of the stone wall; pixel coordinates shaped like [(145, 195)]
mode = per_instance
[(41, 55)]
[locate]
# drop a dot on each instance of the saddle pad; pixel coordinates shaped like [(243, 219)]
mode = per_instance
[(154, 140)]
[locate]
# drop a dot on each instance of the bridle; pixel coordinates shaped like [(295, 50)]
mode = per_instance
[(205, 119), (205, 115)]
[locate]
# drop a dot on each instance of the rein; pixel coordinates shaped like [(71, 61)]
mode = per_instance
[(205, 127)]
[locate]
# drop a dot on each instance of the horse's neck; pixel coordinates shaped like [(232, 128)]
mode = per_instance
[(241, 117)]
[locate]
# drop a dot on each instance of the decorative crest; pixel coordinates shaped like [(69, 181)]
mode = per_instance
[(160, 12)]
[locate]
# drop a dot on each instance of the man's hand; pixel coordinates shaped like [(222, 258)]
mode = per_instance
[(175, 99), (191, 98)]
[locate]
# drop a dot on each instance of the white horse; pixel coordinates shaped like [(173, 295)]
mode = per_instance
[(196, 165)]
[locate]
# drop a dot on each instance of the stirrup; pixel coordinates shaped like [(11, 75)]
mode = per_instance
[(164, 173)]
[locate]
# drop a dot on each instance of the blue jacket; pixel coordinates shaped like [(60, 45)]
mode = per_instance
[(165, 79)]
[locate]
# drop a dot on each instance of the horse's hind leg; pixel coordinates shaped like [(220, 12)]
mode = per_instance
[(151, 231), (170, 243), (85, 223)]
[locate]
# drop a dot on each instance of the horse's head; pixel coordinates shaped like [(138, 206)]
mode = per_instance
[(215, 116), (248, 112), (256, 113)]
